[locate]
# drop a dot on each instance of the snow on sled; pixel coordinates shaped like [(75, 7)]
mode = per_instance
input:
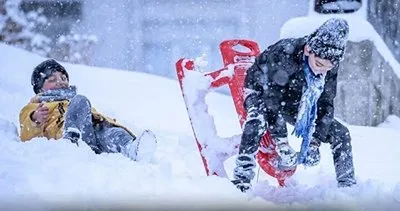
[(195, 85)]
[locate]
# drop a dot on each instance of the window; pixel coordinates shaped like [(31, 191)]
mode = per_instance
[(337, 6)]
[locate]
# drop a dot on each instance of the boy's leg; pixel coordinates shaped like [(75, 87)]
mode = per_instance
[(117, 140), (79, 119), (340, 141)]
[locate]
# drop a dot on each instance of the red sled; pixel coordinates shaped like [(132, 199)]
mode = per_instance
[(196, 85)]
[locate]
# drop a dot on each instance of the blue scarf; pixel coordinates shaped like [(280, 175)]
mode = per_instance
[(307, 114)]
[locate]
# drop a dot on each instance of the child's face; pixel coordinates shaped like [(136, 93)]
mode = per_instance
[(55, 81), (317, 64)]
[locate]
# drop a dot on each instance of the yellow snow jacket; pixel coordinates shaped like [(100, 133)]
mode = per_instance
[(53, 127)]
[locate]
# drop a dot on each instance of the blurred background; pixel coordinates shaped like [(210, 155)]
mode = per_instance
[(151, 35)]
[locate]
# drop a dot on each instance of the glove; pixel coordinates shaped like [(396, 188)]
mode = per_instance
[(242, 185), (243, 172), (313, 155)]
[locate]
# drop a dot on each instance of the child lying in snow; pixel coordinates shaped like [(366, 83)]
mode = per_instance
[(58, 112)]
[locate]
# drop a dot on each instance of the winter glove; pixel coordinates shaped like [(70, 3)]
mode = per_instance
[(287, 155), (313, 155), (243, 172), (242, 185)]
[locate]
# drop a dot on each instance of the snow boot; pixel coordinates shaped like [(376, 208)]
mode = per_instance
[(287, 155), (346, 183), (72, 134), (143, 147)]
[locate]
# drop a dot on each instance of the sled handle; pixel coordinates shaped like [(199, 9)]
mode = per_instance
[(232, 56)]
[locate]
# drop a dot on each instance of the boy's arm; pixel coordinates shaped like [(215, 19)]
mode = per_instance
[(325, 113), (255, 125), (29, 129), (268, 96), (259, 88)]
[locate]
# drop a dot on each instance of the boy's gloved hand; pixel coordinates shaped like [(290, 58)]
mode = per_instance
[(243, 186), (243, 172), (287, 155), (313, 155)]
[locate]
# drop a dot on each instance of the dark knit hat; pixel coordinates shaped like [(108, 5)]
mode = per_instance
[(329, 40), (43, 71)]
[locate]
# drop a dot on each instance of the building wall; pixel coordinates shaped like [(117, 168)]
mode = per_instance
[(368, 88), (384, 16)]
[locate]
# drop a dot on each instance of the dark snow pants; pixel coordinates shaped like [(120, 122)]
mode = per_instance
[(338, 137), (101, 138)]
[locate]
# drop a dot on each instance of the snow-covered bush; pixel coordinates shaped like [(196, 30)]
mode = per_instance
[(22, 29), (19, 29), (75, 48)]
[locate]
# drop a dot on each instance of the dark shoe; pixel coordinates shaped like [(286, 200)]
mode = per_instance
[(73, 135), (346, 183), (313, 155)]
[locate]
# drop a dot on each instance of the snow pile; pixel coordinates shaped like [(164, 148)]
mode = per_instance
[(391, 121)]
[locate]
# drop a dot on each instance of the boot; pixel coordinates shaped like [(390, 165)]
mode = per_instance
[(287, 155), (142, 148), (313, 155), (72, 134), (346, 183)]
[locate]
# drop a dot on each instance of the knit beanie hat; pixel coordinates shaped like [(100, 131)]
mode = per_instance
[(329, 40), (43, 71)]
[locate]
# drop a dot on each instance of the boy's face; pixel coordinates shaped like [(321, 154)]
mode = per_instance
[(55, 81), (317, 64)]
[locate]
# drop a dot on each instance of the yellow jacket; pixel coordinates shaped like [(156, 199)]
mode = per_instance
[(53, 127)]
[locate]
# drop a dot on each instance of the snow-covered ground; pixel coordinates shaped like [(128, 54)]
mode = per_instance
[(58, 174)]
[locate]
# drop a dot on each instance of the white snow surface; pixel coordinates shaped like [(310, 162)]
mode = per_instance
[(47, 174)]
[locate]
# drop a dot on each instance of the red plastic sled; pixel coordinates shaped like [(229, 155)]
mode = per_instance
[(232, 74)]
